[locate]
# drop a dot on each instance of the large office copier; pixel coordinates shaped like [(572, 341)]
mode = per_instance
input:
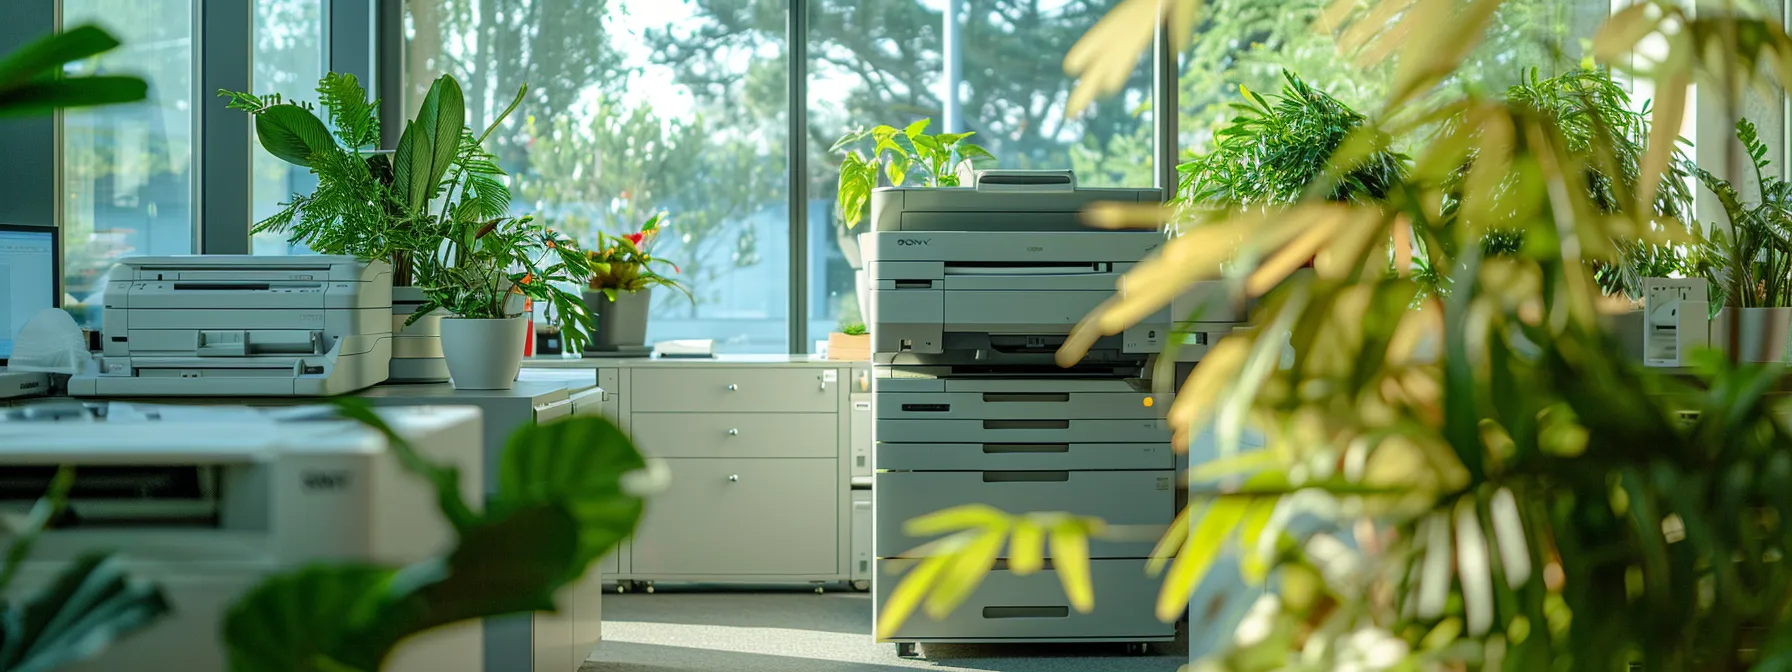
[(973, 291), (207, 502), (242, 325)]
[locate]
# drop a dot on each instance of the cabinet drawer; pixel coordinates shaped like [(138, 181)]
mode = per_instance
[(730, 517), (1033, 607), (737, 389), (737, 434)]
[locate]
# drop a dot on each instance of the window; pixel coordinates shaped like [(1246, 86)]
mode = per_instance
[(1251, 43), (637, 107), (127, 170), (876, 63), (288, 59)]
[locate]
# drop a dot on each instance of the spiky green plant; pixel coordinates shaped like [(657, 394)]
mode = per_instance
[(1754, 262)]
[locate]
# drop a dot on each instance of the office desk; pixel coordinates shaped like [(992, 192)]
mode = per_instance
[(763, 451)]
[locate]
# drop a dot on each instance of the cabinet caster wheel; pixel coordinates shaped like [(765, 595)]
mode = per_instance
[(1137, 648), (649, 587), (861, 585), (908, 650), (624, 586), (820, 590)]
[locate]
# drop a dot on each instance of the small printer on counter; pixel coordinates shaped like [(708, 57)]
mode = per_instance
[(242, 325)]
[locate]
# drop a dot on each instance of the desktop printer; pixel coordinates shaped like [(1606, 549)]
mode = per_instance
[(208, 501), (973, 291), (240, 325)]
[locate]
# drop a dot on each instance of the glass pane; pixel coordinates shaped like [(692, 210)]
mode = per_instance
[(637, 107), (128, 169), (884, 63), (1252, 42), (289, 59)]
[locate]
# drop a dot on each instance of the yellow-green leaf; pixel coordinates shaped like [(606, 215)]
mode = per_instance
[(1197, 555), (1173, 540), (1070, 557), (1026, 550), (1254, 553), (1621, 33), (954, 519), (908, 594), (967, 570)]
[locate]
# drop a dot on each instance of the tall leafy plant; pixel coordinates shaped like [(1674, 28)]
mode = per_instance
[(1753, 263), (1279, 147), (900, 155), (567, 492), (398, 206), (489, 266), (1494, 485)]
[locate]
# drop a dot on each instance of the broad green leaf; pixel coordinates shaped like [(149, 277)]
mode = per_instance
[(1198, 552), (580, 463), (47, 54), (512, 562), (291, 622), (293, 134), (43, 96), (89, 605), (915, 130), (1070, 557)]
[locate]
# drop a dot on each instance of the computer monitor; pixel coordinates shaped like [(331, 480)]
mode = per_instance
[(29, 269)]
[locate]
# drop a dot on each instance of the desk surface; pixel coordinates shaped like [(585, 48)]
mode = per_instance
[(576, 362)]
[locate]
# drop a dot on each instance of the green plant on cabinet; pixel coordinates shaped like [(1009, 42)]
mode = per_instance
[(1748, 260), (625, 263)]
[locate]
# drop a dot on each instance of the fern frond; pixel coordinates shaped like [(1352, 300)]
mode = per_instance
[(356, 119)]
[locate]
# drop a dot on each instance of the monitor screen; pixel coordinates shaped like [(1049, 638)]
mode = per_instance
[(27, 278)]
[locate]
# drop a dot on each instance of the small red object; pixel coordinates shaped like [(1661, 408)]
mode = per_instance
[(529, 343)]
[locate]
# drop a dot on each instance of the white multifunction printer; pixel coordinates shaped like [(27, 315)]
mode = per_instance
[(973, 291), (242, 325), (207, 502)]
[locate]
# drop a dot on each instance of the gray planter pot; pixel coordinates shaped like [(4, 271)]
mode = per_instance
[(416, 349), (621, 323), (1762, 333), (484, 354)]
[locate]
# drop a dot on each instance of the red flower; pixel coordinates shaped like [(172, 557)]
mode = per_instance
[(636, 238)]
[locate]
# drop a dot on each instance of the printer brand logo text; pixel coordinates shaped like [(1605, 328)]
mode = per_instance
[(912, 242), (325, 481)]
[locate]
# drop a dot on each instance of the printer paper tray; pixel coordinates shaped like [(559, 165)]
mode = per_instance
[(1023, 456), (1041, 403), (1022, 431)]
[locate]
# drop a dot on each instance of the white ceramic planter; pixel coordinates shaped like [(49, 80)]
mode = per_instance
[(416, 349), (484, 354), (1762, 333)]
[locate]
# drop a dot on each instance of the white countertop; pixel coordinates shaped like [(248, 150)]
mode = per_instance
[(575, 362)]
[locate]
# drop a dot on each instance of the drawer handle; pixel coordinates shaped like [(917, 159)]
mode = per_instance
[(1026, 424), (733, 388), (1026, 612), (1026, 477), (734, 432), (734, 478)]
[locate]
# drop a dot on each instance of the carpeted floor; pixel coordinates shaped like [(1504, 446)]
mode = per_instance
[(794, 630)]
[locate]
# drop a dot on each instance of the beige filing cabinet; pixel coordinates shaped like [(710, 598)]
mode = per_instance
[(762, 453)]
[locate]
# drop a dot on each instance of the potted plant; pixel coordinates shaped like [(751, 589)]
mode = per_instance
[(892, 157), (484, 276), (851, 343), (619, 293), (1753, 260), (375, 204)]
